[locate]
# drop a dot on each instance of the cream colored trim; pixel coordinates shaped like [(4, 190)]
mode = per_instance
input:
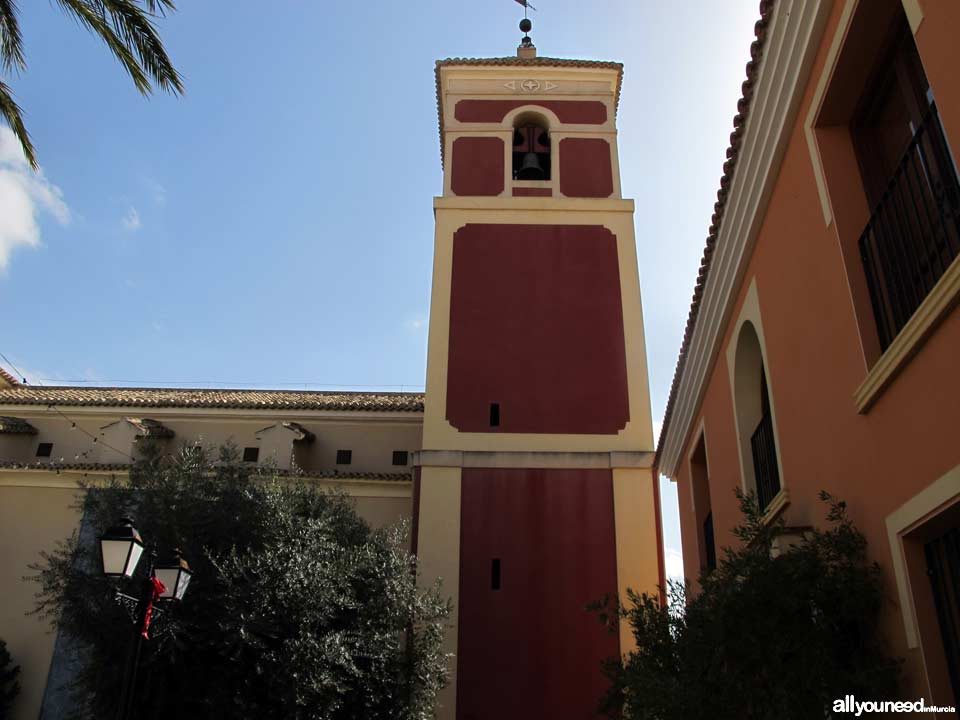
[(505, 459), (914, 13), (901, 521), (750, 312), (39, 478), (635, 525), (568, 206), (793, 39), (931, 311), (826, 75), (700, 432), (779, 503), (553, 126), (438, 556)]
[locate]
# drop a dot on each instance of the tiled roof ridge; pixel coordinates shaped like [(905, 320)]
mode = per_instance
[(512, 60), (729, 167), (8, 377), (69, 395)]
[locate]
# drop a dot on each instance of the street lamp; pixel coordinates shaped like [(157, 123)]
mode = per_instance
[(175, 576), (121, 548)]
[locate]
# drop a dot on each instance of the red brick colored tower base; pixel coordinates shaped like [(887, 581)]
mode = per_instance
[(536, 546)]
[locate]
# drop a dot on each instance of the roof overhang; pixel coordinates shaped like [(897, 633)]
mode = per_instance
[(788, 37)]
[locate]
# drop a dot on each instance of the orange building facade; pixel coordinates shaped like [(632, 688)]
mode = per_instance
[(823, 341)]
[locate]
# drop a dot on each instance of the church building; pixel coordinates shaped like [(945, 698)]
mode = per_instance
[(525, 467)]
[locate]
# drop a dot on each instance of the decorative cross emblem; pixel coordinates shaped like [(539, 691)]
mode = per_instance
[(530, 85)]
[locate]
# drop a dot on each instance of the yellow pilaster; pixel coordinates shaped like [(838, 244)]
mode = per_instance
[(635, 521), (438, 553)]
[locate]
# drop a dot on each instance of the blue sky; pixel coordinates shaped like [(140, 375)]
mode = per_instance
[(274, 226)]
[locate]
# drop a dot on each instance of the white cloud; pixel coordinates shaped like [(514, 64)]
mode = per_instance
[(24, 194), (673, 560), (131, 221)]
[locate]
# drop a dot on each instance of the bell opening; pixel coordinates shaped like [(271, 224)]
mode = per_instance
[(531, 152)]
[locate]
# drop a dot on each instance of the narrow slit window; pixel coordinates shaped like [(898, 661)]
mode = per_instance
[(494, 414), (44, 449), (344, 457), (251, 454), (400, 457), (495, 574)]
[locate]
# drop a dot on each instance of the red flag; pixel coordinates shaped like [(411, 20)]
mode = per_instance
[(525, 4), (156, 589)]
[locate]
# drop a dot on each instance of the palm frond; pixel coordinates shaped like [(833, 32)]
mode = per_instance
[(11, 42), (128, 32), (11, 113), (160, 7), (136, 30)]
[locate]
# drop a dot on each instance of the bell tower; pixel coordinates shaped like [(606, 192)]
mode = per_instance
[(534, 493)]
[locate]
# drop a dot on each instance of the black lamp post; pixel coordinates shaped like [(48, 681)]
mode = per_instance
[(121, 548)]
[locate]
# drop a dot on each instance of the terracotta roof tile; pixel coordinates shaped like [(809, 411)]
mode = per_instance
[(206, 398), (8, 378), (729, 167), (514, 61)]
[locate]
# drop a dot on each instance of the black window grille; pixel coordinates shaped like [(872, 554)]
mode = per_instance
[(943, 567), (914, 233), (708, 542), (344, 457), (765, 467), (400, 457)]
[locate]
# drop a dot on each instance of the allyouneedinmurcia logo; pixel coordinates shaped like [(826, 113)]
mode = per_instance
[(849, 704)]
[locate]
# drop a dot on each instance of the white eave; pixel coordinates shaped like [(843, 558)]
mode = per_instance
[(790, 50)]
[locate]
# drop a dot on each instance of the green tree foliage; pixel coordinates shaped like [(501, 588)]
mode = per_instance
[(125, 26), (767, 637), (297, 608), (9, 686)]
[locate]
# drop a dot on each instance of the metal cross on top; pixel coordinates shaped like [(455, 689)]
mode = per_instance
[(525, 6)]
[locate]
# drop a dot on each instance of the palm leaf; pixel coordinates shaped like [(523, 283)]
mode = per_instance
[(11, 42), (127, 29), (135, 29), (11, 113), (130, 35)]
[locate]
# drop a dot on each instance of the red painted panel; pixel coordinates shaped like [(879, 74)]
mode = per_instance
[(575, 112), (585, 169), (536, 325), (532, 192), (530, 649), (477, 166)]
